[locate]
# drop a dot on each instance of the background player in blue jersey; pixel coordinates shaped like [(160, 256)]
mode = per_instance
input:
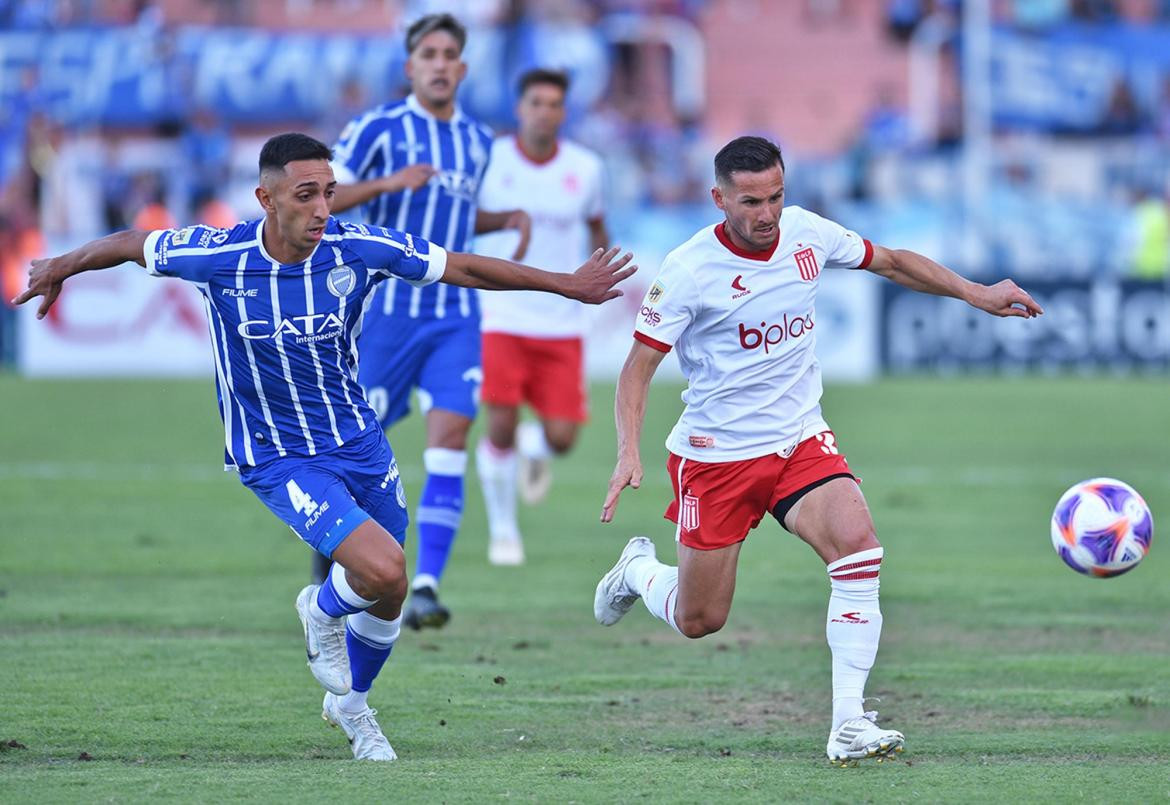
[(416, 165), (284, 299)]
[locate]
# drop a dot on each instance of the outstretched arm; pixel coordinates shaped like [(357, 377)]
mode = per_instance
[(412, 177), (919, 273), (47, 275), (629, 411), (591, 283)]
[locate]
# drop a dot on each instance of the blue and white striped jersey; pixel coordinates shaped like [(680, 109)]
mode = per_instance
[(391, 137), (285, 336)]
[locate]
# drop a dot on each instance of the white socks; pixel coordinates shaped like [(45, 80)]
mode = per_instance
[(853, 628), (497, 477), (657, 584), (531, 441)]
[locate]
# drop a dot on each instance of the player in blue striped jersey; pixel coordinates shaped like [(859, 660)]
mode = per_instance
[(284, 297), (416, 166)]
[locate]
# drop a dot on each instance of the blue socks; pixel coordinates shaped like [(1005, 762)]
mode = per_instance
[(439, 512), (369, 641), (336, 598)]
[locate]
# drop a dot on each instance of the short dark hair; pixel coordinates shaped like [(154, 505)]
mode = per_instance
[(291, 147), (431, 23), (751, 154), (541, 75)]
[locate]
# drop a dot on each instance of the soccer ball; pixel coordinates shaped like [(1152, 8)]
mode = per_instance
[(1102, 527)]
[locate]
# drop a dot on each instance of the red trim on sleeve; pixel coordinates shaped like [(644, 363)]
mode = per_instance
[(650, 342), (725, 239), (865, 261)]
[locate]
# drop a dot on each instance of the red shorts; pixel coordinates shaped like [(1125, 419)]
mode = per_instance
[(716, 505), (546, 373)]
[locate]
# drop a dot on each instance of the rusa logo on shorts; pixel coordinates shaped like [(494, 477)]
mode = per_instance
[(771, 335)]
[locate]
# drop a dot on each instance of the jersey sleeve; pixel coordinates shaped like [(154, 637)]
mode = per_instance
[(668, 308), (353, 147), (390, 253), (187, 253), (844, 248)]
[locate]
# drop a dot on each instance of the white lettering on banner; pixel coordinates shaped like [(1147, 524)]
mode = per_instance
[(1085, 325)]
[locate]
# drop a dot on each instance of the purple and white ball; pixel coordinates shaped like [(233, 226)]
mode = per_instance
[(1102, 527)]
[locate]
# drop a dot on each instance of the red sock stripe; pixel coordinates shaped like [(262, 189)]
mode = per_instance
[(855, 565), (666, 608), (868, 574)]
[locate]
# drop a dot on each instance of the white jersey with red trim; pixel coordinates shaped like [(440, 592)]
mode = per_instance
[(744, 325), (562, 195)]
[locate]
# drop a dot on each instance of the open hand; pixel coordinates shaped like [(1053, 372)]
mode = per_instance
[(1005, 298), (597, 276), (628, 472), (44, 281)]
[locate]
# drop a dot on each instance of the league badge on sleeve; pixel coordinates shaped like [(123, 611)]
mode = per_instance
[(655, 293)]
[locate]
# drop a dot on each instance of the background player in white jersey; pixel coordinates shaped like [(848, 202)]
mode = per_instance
[(738, 302), (284, 297), (533, 350), (416, 165)]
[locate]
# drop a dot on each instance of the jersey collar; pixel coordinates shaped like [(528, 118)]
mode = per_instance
[(264, 252), (531, 159), (764, 255), (414, 106)]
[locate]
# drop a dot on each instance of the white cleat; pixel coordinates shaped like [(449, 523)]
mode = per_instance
[(324, 645), (535, 476), (614, 598), (361, 728), (860, 738), (506, 551)]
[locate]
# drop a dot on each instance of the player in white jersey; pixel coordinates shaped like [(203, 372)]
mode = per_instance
[(737, 301), (285, 296), (533, 350)]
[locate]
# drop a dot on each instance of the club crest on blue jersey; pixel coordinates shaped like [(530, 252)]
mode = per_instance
[(341, 281)]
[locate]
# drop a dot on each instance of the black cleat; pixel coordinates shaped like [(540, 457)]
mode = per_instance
[(424, 611)]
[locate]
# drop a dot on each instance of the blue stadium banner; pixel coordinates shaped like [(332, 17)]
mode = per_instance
[(1063, 80), (1108, 325), (123, 77)]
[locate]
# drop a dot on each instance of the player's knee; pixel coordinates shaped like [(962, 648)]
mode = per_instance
[(560, 440), (561, 443), (860, 538), (701, 624), (384, 578)]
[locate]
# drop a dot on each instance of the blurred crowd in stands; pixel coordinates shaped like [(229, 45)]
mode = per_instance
[(885, 174)]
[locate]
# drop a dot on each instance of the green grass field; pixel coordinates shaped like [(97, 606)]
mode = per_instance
[(146, 620)]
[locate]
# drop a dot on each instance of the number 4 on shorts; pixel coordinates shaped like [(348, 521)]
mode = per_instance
[(300, 500)]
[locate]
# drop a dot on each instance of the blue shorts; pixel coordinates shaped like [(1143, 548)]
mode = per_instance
[(323, 498), (439, 356)]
